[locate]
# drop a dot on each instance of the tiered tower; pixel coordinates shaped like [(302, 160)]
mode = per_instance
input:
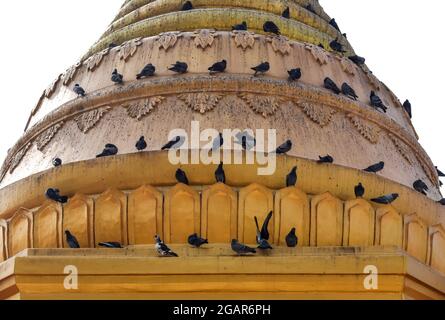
[(133, 196)]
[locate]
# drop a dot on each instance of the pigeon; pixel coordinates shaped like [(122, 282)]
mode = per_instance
[(109, 150), (218, 142), (218, 67), (162, 248), (264, 245), (111, 245), (187, 6), (321, 45), (359, 190), (179, 67), (375, 167), (284, 148), (292, 239), (420, 187), (442, 201), (246, 141), (220, 175), (345, 35), (112, 45), (240, 27), (196, 241), (325, 159), (348, 91), (330, 85), (286, 13), (439, 173), (181, 177), (294, 74), (388, 199), (262, 68), (357, 60), (240, 248), (148, 71), (79, 90), (336, 46), (271, 27), (57, 162), (264, 233), (71, 240), (53, 194), (116, 77), (176, 143), (141, 144), (407, 107), (291, 178), (377, 103), (334, 24)]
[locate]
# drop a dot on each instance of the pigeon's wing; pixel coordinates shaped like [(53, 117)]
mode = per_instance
[(164, 247), (264, 229)]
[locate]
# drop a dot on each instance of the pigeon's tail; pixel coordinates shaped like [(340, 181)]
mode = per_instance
[(138, 77), (257, 225), (63, 199), (172, 254)]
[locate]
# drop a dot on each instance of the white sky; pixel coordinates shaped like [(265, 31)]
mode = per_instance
[(402, 41)]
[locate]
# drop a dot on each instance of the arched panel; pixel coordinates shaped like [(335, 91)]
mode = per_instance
[(144, 215), (219, 214), (416, 237), (436, 248), (389, 227), (254, 200), (78, 218), (110, 217), (3, 242), (20, 232), (326, 220), (359, 224), (292, 211), (182, 214), (48, 225)]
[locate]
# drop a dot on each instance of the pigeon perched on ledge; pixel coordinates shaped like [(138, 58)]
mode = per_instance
[(240, 27), (331, 85), (387, 199), (116, 77), (57, 162), (420, 187), (181, 177), (294, 74), (348, 91), (148, 71), (359, 190), (325, 159), (54, 195), (336, 46), (218, 67), (110, 245), (220, 175), (291, 179), (375, 167), (196, 241), (109, 150), (175, 143), (286, 13), (79, 90), (187, 6), (240, 248), (179, 67), (141, 144), (284, 148), (162, 248), (262, 68), (292, 239), (377, 103), (71, 240), (271, 27)]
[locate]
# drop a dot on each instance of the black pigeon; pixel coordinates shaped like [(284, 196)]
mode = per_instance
[(220, 175), (407, 107), (79, 90), (109, 150), (162, 248), (334, 24), (359, 190), (310, 8), (345, 35), (377, 103), (284, 148), (218, 142), (286, 13), (111, 245), (348, 91), (439, 173), (148, 71), (240, 248), (261, 68), (442, 201), (336, 46), (294, 74), (141, 144), (53, 194), (292, 239), (57, 162), (264, 245), (187, 6), (264, 232), (357, 60), (330, 85), (291, 178), (181, 177), (196, 241), (271, 27), (375, 167), (240, 27), (247, 141), (218, 67), (112, 45), (116, 77), (325, 159), (179, 67), (71, 240), (176, 142), (388, 199), (321, 45), (420, 187)]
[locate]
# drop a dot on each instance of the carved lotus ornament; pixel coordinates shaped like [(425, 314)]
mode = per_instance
[(280, 44), (318, 113), (86, 121), (69, 74), (167, 40), (204, 38), (201, 102), (347, 65), (51, 88), (45, 137), (244, 39), (139, 109), (367, 130), (264, 105), (94, 61), (320, 55), (403, 149), (129, 48), (15, 161)]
